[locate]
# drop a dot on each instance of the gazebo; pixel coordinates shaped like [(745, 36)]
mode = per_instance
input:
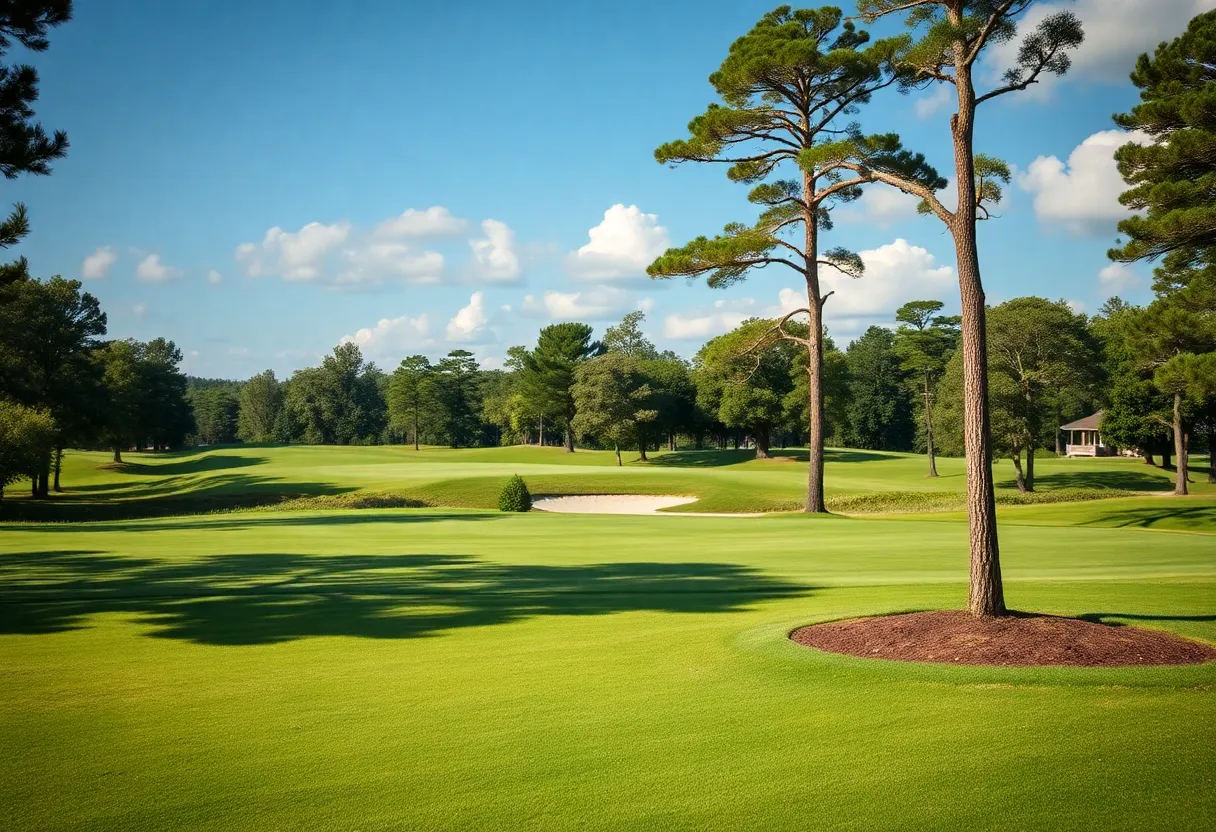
[(1084, 438)]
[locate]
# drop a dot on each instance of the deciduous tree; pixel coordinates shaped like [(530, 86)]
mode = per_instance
[(879, 409), (26, 436), (611, 401), (259, 404)]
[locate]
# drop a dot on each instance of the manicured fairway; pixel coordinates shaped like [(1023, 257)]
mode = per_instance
[(464, 669), (421, 669), (725, 481)]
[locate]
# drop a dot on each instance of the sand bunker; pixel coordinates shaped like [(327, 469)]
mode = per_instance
[(621, 504)]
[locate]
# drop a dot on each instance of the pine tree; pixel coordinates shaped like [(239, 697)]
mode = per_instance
[(785, 87), (946, 39), (1172, 179)]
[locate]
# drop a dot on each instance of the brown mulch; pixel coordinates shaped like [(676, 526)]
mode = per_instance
[(1015, 640)]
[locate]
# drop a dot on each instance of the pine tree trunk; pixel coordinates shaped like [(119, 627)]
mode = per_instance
[(815, 439), (540, 438), (1030, 468), (1165, 459), (617, 446), (569, 435), (986, 594), (1148, 458), (642, 446), (118, 454), (929, 430), (1179, 449), (671, 441)]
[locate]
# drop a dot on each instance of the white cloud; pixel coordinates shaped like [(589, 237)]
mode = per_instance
[(390, 337), (139, 309), (494, 257), (1117, 277), (469, 324), (895, 274), (152, 270), (599, 303), (1077, 306), (704, 323), (1116, 32), (1084, 192), (369, 264), (97, 265), (880, 205), (214, 277), (620, 247), (435, 221), (293, 255), (938, 99)]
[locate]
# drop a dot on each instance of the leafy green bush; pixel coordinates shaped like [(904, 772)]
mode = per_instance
[(515, 496)]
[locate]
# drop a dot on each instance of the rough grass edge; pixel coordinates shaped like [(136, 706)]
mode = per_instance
[(888, 502)]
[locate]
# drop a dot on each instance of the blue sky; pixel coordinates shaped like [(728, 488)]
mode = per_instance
[(258, 181)]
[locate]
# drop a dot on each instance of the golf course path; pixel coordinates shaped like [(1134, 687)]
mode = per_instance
[(622, 504)]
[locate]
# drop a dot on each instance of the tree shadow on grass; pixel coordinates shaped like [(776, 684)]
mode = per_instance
[(1119, 480), (1192, 516), (193, 465), (222, 492), (720, 458), (1117, 618), (247, 599), (238, 521)]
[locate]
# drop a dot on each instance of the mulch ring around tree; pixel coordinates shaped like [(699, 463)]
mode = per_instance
[(1015, 640)]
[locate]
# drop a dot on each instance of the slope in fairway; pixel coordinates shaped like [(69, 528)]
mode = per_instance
[(463, 669)]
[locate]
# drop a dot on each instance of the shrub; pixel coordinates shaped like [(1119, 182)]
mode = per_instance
[(515, 496)]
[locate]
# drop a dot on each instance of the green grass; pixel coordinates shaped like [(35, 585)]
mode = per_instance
[(439, 668)]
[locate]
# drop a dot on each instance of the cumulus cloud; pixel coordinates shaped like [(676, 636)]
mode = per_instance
[(1118, 277), (293, 255), (469, 324), (152, 270), (895, 274), (371, 263), (494, 256), (214, 277), (435, 221), (936, 100), (1081, 194), (337, 255), (879, 205), (97, 265), (620, 247), (1116, 31), (391, 337), (139, 309), (704, 323), (595, 304)]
